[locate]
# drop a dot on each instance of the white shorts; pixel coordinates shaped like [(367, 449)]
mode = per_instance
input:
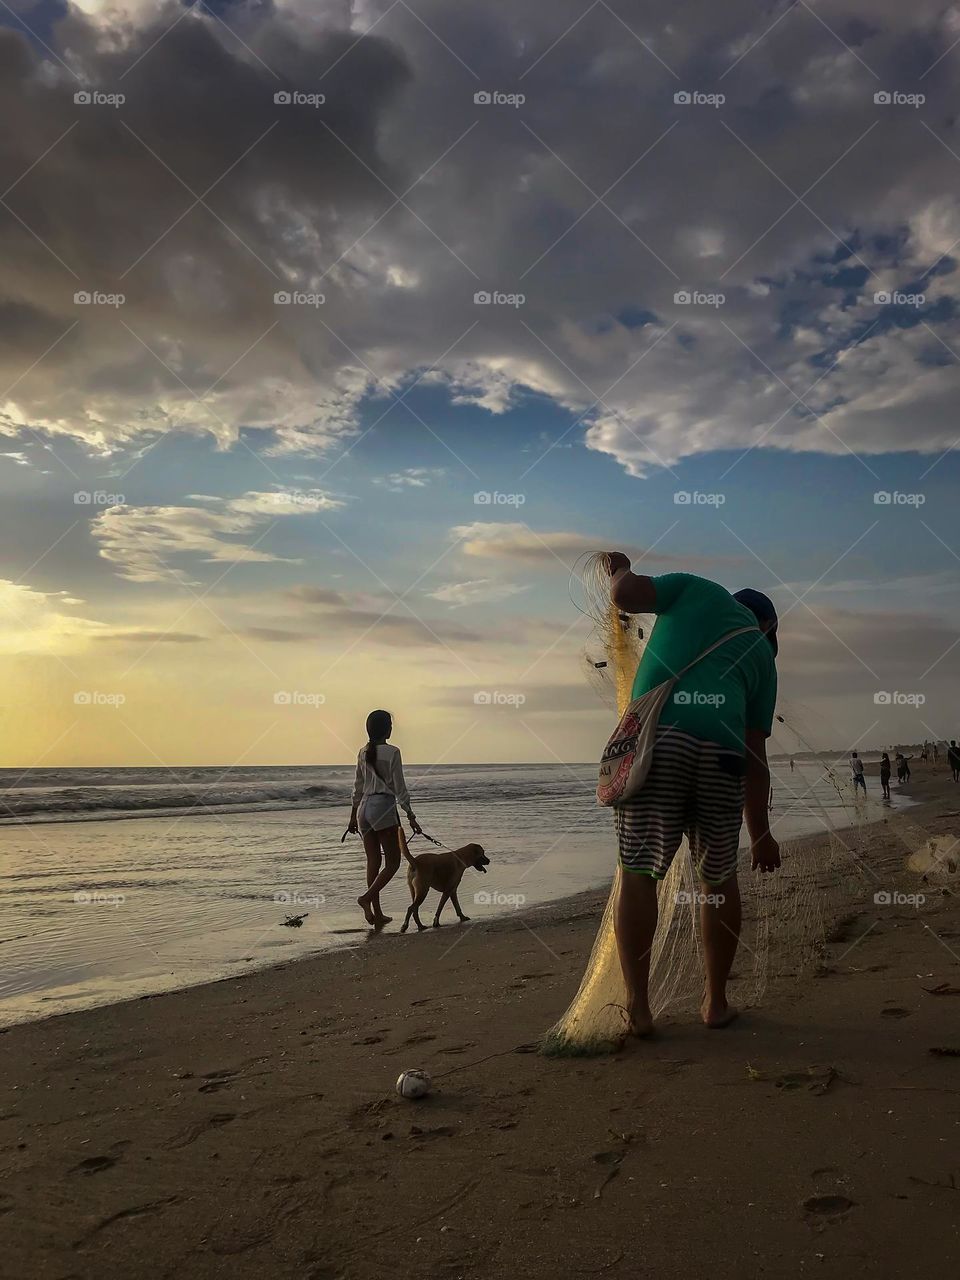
[(378, 812)]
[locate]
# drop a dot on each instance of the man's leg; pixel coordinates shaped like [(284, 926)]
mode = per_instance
[(720, 916), (635, 923)]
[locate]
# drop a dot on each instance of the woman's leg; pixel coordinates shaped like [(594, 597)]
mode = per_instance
[(389, 842), (371, 847)]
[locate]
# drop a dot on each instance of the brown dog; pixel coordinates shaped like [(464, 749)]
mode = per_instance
[(440, 871)]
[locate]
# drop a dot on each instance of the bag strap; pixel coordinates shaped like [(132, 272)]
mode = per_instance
[(741, 631)]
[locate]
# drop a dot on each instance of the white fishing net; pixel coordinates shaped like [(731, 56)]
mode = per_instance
[(783, 924)]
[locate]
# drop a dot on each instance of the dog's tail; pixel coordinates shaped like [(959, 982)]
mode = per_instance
[(404, 847)]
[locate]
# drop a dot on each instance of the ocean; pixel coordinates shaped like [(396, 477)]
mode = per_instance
[(118, 883)]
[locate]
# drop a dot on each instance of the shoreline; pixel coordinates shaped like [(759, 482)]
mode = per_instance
[(344, 937), (248, 1126)]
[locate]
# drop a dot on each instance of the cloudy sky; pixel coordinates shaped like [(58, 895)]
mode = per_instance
[(333, 334)]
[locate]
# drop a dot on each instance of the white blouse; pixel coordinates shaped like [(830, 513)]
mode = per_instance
[(386, 779)]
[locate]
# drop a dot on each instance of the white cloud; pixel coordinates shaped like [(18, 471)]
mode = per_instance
[(36, 622), (519, 542), (479, 591), (409, 478), (144, 541)]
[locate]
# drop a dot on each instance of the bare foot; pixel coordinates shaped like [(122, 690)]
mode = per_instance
[(717, 1016), (640, 1021), (363, 902), (380, 920)]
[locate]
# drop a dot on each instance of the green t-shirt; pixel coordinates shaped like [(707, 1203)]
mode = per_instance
[(728, 692)]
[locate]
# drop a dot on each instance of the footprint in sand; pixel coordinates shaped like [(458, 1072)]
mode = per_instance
[(459, 1048), (215, 1081), (895, 1013), (828, 1206), (195, 1131), (94, 1164)]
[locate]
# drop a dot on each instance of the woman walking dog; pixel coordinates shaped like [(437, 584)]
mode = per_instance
[(378, 789)]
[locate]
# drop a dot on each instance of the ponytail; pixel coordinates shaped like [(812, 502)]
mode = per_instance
[(379, 727)]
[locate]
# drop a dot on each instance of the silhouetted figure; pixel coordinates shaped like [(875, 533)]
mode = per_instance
[(856, 769), (885, 775)]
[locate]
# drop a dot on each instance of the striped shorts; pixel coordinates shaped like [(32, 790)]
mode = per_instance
[(694, 788)]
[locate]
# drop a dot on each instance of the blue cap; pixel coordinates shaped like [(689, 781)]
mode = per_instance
[(763, 610)]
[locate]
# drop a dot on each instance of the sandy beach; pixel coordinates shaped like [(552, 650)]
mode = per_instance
[(249, 1127)]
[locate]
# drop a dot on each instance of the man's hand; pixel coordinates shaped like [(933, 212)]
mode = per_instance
[(616, 561), (765, 853)]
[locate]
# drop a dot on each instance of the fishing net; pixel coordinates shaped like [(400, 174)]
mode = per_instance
[(783, 924)]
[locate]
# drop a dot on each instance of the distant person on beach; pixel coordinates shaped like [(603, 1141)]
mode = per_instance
[(792, 765), (924, 752), (953, 759), (709, 769), (885, 775), (856, 769), (936, 753), (903, 767), (378, 789)]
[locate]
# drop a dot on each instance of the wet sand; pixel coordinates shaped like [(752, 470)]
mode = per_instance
[(249, 1127)]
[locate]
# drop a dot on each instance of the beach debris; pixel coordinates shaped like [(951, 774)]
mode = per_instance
[(413, 1084), (294, 922), (815, 1079)]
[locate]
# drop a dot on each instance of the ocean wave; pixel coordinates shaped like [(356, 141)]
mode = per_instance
[(74, 804)]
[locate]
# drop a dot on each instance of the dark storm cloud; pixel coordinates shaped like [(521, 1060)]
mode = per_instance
[(600, 198), (108, 207)]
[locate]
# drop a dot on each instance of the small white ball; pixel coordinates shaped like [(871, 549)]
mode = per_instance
[(413, 1084)]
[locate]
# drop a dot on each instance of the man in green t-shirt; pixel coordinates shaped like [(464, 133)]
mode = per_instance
[(708, 769)]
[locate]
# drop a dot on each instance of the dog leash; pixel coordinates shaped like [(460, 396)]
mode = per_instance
[(438, 843)]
